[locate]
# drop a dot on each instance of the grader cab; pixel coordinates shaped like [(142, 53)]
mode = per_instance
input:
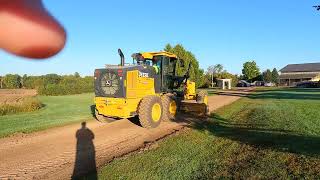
[(149, 89)]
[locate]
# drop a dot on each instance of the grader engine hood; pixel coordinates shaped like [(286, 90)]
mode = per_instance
[(109, 82)]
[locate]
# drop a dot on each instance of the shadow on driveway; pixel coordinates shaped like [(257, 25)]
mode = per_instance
[(85, 162)]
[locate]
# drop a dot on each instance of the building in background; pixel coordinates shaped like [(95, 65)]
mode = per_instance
[(293, 74)]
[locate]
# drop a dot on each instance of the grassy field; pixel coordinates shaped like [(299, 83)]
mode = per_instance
[(270, 134), (57, 111)]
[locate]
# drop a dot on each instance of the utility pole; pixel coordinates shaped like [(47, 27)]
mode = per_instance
[(211, 73), (212, 79)]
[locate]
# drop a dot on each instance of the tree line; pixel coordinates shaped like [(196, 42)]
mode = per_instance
[(53, 84), (216, 72), (50, 84), (250, 73), (199, 76), (196, 73)]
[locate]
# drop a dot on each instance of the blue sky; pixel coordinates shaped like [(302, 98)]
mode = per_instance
[(271, 32)]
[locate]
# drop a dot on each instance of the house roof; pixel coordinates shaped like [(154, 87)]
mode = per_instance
[(299, 76), (308, 67)]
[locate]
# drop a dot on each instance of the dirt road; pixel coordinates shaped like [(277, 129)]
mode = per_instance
[(60, 152)]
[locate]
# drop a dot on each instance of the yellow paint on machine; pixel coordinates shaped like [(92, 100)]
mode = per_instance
[(137, 87), (150, 55), (156, 112), (116, 107), (190, 93)]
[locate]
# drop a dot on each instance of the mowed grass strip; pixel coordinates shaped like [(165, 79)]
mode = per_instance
[(270, 134), (57, 111)]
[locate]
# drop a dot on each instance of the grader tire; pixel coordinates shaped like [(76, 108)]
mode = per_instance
[(202, 98), (170, 107), (102, 118), (150, 112)]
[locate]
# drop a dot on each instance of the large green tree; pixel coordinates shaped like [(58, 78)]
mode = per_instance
[(77, 75), (24, 80), (218, 68), (196, 74), (250, 70), (275, 76), (12, 81), (52, 79), (267, 76)]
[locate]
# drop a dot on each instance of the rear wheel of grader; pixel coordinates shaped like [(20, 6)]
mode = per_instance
[(150, 112), (102, 118), (202, 98), (169, 107)]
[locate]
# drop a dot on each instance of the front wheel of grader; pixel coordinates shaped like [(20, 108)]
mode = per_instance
[(150, 111), (170, 107)]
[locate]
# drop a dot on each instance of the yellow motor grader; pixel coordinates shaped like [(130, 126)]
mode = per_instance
[(149, 88)]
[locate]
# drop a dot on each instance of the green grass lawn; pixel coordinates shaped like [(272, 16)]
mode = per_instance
[(58, 111), (270, 134)]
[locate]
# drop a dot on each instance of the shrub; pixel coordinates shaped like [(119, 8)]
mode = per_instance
[(12, 81), (50, 84), (28, 104), (67, 85)]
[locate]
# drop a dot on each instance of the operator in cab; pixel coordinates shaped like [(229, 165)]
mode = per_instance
[(157, 66)]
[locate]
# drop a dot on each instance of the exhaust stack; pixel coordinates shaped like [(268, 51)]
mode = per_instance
[(122, 60)]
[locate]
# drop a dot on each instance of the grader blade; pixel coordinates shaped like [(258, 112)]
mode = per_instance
[(197, 109)]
